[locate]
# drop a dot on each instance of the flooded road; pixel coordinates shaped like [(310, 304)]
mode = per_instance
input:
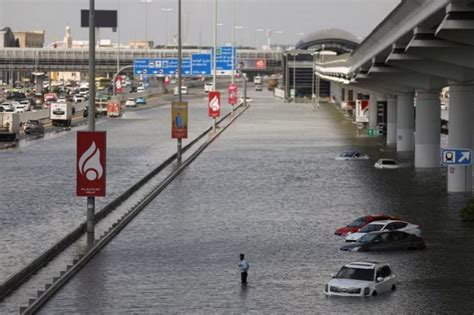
[(37, 191), (269, 187)]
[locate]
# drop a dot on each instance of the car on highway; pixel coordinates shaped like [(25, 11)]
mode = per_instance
[(385, 225), (359, 223), (78, 98), (140, 100), (351, 155), (386, 240), (140, 89), (26, 105), (133, 89), (184, 90), (7, 107), (208, 87), (361, 279), (34, 127), (386, 164), (130, 102)]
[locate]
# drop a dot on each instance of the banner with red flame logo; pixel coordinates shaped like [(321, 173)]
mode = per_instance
[(214, 104), (91, 163), (233, 93)]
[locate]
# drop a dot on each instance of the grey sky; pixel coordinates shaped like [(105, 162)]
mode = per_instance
[(290, 16)]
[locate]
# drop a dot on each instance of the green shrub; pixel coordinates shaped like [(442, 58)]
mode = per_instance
[(467, 214)]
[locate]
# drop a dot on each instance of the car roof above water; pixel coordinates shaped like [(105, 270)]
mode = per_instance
[(364, 264)]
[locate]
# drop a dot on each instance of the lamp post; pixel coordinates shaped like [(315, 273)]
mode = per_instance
[(146, 20), (214, 60), (233, 43), (180, 74), (313, 94), (166, 10)]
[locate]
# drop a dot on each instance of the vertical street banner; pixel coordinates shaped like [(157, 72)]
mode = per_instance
[(179, 120), (214, 104), (232, 91), (118, 85), (91, 163)]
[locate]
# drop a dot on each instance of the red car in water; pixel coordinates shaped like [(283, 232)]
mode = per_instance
[(359, 223)]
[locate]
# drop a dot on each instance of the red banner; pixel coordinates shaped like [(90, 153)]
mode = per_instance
[(91, 167), (232, 90), (214, 104), (118, 85)]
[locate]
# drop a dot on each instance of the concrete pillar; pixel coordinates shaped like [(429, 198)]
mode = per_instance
[(391, 120), (373, 111), (405, 122), (39, 83), (428, 129), (461, 99)]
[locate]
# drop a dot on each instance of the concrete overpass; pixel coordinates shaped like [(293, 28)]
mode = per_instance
[(419, 48)]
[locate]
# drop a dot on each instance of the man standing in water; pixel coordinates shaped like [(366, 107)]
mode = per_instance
[(244, 267)]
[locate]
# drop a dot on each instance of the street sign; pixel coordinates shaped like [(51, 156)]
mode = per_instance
[(224, 63), (179, 120), (214, 104), (232, 90), (91, 164), (201, 64), (456, 157), (161, 66)]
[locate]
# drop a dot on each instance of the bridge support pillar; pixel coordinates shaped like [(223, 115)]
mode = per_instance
[(461, 101), (405, 122), (39, 84), (373, 111), (428, 127), (391, 120)]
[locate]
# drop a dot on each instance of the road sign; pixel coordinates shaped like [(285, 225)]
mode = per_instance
[(456, 157), (214, 104), (161, 66), (224, 64), (179, 120), (90, 166), (201, 64), (232, 90)]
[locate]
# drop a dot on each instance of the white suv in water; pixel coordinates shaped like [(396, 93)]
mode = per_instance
[(361, 279)]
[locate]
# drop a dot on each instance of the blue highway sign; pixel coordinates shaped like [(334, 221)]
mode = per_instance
[(201, 64), (224, 59), (160, 66), (456, 157)]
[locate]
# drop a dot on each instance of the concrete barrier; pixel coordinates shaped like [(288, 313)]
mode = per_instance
[(279, 93)]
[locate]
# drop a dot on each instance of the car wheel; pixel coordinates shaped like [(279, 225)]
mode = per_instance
[(394, 287), (374, 293)]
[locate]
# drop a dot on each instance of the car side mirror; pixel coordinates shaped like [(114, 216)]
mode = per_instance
[(379, 279), (333, 275)]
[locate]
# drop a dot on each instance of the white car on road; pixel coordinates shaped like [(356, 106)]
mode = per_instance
[(140, 89), (130, 103), (385, 225), (386, 163), (361, 279), (351, 155), (207, 87)]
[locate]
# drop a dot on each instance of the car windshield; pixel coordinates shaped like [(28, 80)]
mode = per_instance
[(358, 222), (346, 154), (367, 238), (389, 162), (355, 274), (371, 228)]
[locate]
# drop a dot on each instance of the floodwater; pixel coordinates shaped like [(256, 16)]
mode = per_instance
[(38, 205), (269, 187)]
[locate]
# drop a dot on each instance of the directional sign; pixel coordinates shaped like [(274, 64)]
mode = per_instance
[(201, 64), (456, 157), (161, 66), (224, 63)]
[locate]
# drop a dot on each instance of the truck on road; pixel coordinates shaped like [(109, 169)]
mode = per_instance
[(61, 114), (9, 126), (101, 103), (114, 109)]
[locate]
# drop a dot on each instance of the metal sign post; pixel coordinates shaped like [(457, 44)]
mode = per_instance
[(180, 76), (91, 118)]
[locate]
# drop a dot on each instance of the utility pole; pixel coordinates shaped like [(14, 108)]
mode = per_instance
[(214, 76), (91, 118), (180, 74)]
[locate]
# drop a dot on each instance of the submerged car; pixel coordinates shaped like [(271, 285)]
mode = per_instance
[(351, 155), (361, 279), (385, 225), (359, 223), (140, 100), (386, 240), (386, 164), (34, 127)]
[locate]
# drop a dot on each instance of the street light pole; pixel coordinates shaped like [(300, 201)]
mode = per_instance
[(294, 76), (233, 43), (91, 118), (214, 72), (313, 96), (166, 10), (180, 74)]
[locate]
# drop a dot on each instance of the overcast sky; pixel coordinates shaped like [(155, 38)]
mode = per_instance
[(292, 17)]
